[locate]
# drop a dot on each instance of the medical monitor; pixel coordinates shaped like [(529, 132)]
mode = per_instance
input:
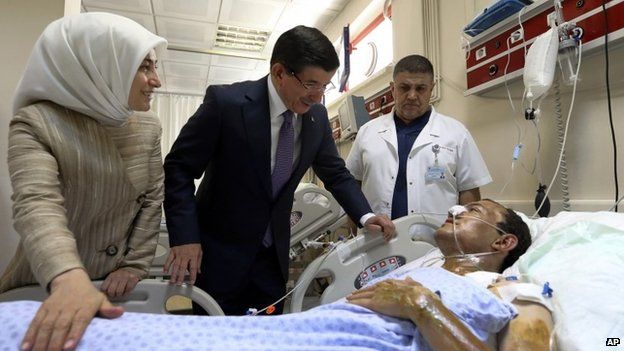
[(352, 114)]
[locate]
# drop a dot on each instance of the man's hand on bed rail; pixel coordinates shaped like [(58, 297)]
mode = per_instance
[(182, 258), (63, 317), (381, 223), (119, 283)]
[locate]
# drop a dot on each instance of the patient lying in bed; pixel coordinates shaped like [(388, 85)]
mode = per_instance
[(427, 308)]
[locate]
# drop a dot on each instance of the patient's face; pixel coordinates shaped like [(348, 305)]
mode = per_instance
[(473, 234)]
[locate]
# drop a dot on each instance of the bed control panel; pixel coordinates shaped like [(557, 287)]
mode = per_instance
[(378, 269)]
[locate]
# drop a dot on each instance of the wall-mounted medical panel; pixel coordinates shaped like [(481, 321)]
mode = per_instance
[(497, 54), (380, 103)]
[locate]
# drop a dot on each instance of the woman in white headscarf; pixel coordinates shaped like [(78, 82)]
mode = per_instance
[(86, 171)]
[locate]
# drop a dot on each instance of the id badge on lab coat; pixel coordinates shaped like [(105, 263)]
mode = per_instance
[(435, 174)]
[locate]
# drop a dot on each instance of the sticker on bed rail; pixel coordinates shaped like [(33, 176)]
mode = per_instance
[(295, 217), (378, 269)]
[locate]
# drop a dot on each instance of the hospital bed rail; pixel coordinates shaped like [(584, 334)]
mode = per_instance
[(149, 296), (353, 263), (160, 256), (315, 215)]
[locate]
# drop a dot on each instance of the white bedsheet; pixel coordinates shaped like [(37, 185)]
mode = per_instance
[(335, 326), (581, 255)]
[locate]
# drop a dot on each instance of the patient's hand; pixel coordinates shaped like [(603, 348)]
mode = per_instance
[(410, 300), (180, 259), (383, 224), (396, 298), (119, 283), (63, 317)]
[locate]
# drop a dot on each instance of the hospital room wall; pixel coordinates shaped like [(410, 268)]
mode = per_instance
[(489, 118), (589, 151), (21, 23)]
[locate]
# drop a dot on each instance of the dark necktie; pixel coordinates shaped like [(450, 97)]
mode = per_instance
[(283, 163)]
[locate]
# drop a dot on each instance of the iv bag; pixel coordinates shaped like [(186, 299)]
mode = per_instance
[(540, 64)]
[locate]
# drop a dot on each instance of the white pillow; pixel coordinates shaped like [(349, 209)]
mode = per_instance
[(535, 225), (540, 226)]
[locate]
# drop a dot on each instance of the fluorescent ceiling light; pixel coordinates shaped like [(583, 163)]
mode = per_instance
[(233, 37)]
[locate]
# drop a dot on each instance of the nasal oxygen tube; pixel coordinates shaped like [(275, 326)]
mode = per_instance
[(456, 211)]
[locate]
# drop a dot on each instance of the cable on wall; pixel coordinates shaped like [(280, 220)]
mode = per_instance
[(613, 139)]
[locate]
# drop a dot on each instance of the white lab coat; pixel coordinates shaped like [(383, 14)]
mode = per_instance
[(374, 160)]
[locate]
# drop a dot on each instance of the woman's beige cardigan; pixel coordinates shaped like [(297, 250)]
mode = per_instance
[(84, 195)]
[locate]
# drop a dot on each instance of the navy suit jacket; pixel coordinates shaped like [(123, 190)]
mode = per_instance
[(228, 140)]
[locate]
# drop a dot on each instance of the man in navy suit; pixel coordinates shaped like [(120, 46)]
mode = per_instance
[(253, 141)]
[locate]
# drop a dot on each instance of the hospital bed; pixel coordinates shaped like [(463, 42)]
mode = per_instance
[(588, 306), (580, 254), (149, 296)]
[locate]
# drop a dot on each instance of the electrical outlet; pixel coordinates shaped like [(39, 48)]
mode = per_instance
[(481, 53), (517, 35)]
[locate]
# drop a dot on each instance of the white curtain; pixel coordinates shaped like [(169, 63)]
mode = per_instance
[(173, 110)]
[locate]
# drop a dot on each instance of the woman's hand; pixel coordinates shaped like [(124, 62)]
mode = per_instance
[(396, 298), (63, 317), (119, 283)]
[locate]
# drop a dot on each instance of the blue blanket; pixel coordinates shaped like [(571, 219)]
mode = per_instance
[(336, 326)]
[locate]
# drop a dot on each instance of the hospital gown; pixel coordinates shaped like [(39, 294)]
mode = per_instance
[(335, 326)]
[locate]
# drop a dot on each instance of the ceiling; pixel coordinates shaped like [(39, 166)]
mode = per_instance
[(193, 60)]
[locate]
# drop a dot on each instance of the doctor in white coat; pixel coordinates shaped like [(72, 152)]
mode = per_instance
[(414, 159)]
